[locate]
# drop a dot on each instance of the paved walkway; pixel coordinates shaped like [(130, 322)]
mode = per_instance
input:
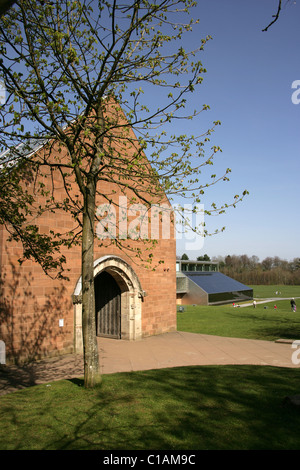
[(265, 301), (156, 352)]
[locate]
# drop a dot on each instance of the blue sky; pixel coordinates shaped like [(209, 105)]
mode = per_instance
[(248, 86)]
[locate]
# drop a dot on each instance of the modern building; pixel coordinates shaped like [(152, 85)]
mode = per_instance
[(201, 283)]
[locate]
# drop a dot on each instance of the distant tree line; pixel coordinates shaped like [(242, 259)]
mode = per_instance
[(250, 270), (200, 258)]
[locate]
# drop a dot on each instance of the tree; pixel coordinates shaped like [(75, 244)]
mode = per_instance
[(203, 258), (73, 73), (228, 260), (16, 208), (5, 5), (276, 16)]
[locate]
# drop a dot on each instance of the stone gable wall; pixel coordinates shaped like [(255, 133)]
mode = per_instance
[(37, 313)]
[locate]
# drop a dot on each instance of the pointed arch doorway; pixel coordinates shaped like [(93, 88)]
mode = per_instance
[(108, 306), (118, 296)]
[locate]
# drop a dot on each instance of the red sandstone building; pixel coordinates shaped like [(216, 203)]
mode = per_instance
[(41, 316)]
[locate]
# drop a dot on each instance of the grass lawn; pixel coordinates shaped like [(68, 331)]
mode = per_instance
[(184, 408), (270, 291), (264, 322), (187, 408)]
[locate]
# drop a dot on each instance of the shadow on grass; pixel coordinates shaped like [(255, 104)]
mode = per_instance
[(267, 326), (77, 381), (194, 408), (201, 407)]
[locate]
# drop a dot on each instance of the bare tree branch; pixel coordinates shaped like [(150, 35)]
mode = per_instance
[(274, 16)]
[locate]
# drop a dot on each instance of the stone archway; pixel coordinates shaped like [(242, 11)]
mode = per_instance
[(131, 299), (108, 306)]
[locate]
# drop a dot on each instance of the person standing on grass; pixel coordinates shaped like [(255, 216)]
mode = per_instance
[(293, 305)]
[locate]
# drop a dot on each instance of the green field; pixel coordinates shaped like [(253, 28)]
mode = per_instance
[(270, 291), (182, 408), (196, 408), (263, 322)]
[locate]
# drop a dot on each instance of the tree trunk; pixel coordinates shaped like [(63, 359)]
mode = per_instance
[(92, 374)]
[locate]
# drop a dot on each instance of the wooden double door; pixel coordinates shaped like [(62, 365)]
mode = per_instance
[(108, 306)]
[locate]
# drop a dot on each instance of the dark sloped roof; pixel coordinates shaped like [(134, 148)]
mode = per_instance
[(215, 282)]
